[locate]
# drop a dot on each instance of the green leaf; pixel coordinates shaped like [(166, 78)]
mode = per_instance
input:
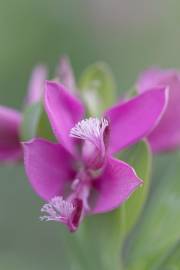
[(171, 261), (30, 121), (96, 245), (132, 92), (139, 157), (158, 229), (98, 89), (44, 128), (35, 123)]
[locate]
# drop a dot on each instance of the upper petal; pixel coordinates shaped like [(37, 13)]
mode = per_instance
[(166, 136), (48, 166), (36, 84), (149, 78), (64, 111), (115, 185), (66, 75), (132, 120), (10, 148)]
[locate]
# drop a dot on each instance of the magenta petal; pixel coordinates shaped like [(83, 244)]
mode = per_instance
[(149, 78), (166, 136), (10, 148), (36, 84), (76, 215), (66, 75), (64, 111), (132, 120), (116, 184), (48, 167)]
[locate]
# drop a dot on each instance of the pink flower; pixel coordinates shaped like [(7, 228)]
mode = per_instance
[(36, 85), (78, 175), (10, 119), (66, 75), (166, 136)]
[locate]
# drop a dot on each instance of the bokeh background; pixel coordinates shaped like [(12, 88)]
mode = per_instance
[(128, 35)]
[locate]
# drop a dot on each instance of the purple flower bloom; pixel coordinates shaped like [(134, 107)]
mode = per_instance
[(65, 74), (36, 85), (10, 119), (10, 148), (166, 136), (78, 175)]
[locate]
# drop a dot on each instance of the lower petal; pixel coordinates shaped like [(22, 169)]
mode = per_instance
[(48, 167), (117, 182)]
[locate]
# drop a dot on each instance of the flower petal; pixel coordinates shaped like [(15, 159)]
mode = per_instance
[(166, 136), (10, 148), (64, 111), (77, 214), (115, 185), (66, 75), (48, 167), (132, 120), (36, 84), (149, 78)]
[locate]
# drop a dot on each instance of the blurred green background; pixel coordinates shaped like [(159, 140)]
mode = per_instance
[(129, 35)]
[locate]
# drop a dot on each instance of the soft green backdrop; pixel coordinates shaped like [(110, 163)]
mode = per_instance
[(129, 35)]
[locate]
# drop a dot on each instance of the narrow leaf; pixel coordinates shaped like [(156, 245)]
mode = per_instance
[(30, 121), (139, 157), (158, 229), (96, 245), (35, 123)]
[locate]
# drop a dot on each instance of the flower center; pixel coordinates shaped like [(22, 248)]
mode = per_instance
[(57, 209), (91, 129), (68, 212)]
